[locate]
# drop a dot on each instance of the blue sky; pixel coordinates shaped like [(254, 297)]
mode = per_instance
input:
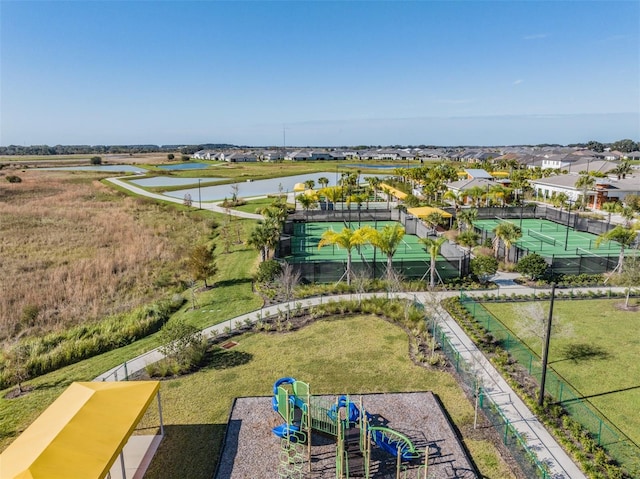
[(327, 73)]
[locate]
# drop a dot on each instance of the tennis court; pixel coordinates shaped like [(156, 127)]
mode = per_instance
[(552, 239), (327, 263)]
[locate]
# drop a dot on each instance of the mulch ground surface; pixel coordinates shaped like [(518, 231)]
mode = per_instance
[(252, 451)]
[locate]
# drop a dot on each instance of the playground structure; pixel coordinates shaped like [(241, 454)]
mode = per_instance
[(353, 428)]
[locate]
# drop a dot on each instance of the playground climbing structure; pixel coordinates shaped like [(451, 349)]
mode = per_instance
[(352, 427)]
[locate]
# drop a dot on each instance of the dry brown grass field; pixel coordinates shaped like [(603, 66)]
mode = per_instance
[(73, 250)]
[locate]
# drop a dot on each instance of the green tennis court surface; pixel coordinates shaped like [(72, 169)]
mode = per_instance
[(304, 244), (552, 239)]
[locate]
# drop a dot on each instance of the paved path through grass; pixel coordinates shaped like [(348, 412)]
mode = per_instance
[(538, 438)]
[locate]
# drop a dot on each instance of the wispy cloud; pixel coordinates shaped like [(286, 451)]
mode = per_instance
[(536, 36), (518, 81)]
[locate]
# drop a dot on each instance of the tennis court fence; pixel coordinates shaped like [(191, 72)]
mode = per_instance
[(333, 271), (606, 434), (535, 211)]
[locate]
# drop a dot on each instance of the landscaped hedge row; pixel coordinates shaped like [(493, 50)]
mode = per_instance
[(560, 294), (593, 459), (40, 355)]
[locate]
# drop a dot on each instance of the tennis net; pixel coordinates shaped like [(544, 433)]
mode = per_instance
[(541, 237)]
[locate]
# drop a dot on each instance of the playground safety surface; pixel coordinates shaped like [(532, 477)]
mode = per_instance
[(252, 451)]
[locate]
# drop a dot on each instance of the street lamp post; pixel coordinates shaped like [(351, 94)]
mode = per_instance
[(545, 352), (566, 238), (199, 195)]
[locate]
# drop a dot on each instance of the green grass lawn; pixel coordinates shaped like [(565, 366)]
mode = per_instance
[(599, 357), (353, 355)]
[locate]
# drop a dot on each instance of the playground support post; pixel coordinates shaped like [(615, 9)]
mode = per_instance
[(545, 352)]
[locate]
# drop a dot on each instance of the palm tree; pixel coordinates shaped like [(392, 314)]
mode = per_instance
[(623, 169), (468, 239), (499, 193), (625, 236), (333, 194), (347, 239), (508, 233), (559, 200), (374, 183), (264, 237), (276, 213), (387, 241), (432, 246), (434, 220), (457, 198), (307, 202), (467, 218), (476, 193), (611, 207), (309, 184), (585, 182), (323, 182)]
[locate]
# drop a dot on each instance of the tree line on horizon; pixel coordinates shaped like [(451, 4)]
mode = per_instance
[(624, 146)]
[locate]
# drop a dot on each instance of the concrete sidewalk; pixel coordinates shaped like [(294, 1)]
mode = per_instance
[(205, 206)]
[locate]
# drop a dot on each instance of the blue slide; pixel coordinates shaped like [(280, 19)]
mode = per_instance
[(378, 436)]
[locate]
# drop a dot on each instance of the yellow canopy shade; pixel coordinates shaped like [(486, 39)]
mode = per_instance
[(81, 434), (500, 174), (425, 211), (393, 191), (299, 187)]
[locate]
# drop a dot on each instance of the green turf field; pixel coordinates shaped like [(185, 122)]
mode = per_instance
[(598, 356), (552, 239)]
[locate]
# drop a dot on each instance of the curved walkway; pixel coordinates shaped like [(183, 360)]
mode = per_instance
[(561, 466), (215, 207)]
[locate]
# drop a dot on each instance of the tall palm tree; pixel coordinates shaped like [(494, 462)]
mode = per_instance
[(264, 237), (323, 182), (309, 184), (374, 183), (467, 217), (499, 193), (625, 236), (623, 169), (457, 198), (307, 202), (433, 246), (387, 241), (476, 193), (585, 182), (333, 194), (508, 233), (347, 239)]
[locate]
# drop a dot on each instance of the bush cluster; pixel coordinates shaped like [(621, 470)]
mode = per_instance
[(55, 350)]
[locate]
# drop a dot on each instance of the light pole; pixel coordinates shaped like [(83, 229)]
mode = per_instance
[(545, 351), (199, 195), (566, 238)]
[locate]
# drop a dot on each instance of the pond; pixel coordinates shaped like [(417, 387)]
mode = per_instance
[(108, 168), (257, 188), (382, 167), (185, 166), (169, 181)]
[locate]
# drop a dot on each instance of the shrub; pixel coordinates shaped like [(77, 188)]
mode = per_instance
[(484, 266), (13, 179), (533, 266), (267, 271), (96, 160)]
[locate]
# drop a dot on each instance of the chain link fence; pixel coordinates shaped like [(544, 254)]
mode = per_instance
[(469, 378), (606, 434)]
